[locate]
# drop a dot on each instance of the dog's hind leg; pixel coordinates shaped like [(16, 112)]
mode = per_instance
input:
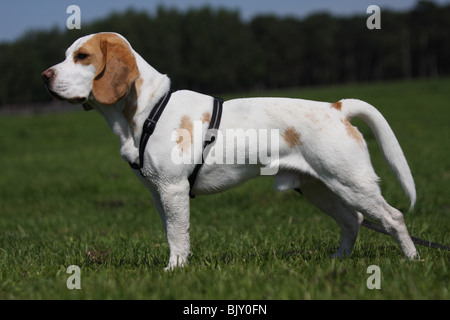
[(366, 198), (348, 219)]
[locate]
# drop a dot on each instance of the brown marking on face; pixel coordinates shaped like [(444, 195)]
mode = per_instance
[(115, 65), (353, 132), (186, 128), (206, 117), (292, 137), (92, 52), (337, 105), (82, 56)]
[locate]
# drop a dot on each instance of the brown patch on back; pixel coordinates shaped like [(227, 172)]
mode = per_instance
[(206, 117), (185, 132), (292, 137), (353, 132), (337, 105)]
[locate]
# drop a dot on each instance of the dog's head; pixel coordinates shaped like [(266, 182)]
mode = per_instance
[(101, 67)]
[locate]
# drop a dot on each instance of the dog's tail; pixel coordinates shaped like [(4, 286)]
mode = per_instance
[(386, 139)]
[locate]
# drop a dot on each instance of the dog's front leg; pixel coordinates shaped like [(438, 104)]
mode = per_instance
[(172, 203)]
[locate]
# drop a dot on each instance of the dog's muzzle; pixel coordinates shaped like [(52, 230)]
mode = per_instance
[(49, 76)]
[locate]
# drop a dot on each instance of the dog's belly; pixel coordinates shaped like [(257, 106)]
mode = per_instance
[(287, 170), (220, 177), (215, 179)]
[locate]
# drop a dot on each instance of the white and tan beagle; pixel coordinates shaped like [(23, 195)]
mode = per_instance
[(311, 145)]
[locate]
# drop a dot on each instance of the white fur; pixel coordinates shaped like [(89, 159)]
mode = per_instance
[(331, 166)]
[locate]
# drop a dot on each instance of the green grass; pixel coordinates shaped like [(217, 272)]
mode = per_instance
[(67, 198)]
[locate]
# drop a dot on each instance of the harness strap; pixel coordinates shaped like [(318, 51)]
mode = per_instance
[(150, 124), (213, 125), (149, 127)]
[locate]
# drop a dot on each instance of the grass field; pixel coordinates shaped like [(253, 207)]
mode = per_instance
[(67, 198)]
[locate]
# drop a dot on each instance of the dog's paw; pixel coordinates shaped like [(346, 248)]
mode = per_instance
[(176, 262)]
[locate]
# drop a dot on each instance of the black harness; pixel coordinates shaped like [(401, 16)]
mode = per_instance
[(149, 127), (150, 124)]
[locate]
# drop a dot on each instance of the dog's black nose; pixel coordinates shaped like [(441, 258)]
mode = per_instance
[(47, 75)]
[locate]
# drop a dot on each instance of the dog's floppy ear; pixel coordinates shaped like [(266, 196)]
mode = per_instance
[(117, 72)]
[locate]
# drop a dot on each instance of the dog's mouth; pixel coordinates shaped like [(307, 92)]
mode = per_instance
[(75, 100)]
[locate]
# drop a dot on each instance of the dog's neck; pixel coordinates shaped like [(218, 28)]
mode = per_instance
[(127, 115)]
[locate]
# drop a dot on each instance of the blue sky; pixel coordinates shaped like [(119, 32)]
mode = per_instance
[(16, 17)]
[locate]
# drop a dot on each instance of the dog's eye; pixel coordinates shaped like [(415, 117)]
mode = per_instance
[(81, 56)]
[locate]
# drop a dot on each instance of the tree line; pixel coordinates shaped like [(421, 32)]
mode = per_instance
[(216, 51)]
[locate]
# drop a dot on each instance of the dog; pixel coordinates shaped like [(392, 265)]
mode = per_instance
[(312, 146)]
